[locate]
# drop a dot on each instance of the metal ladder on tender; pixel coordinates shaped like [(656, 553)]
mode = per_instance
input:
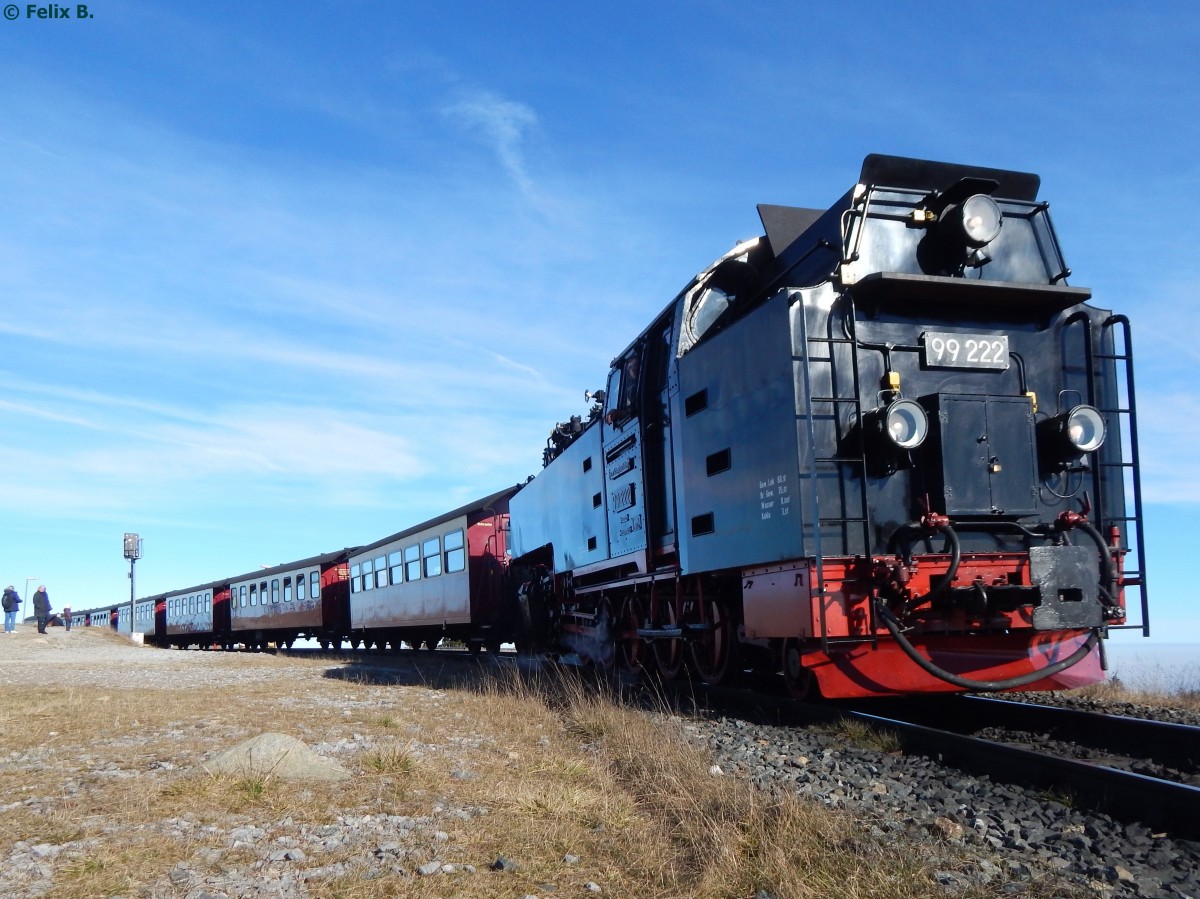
[(1131, 465), (833, 404), (1128, 464)]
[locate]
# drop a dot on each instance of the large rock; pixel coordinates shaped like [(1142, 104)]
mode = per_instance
[(275, 755)]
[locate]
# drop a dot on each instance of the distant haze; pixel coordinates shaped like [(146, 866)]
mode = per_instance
[(1155, 667)]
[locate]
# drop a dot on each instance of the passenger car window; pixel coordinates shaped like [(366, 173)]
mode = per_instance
[(431, 554), (456, 554)]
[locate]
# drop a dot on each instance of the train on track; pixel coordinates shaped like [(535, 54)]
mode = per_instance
[(882, 449)]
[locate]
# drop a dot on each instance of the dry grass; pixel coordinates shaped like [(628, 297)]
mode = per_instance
[(643, 803), (561, 768), (1154, 686), (865, 736)]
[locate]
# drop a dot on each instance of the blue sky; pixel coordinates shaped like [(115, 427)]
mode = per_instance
[(278, 278)]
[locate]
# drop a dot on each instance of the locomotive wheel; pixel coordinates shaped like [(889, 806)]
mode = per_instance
[(431, 645), (668, 654), (712, 652), (493, 646), (631, 651), (800, 682)]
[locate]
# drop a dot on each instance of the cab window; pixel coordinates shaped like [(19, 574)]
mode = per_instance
[(621, 398)]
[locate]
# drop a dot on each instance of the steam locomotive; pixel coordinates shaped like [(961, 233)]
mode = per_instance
[(882, 449)]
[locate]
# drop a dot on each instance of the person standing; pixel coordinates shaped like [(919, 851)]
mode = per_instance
[(11, 603), (67, 618), (41, 608)]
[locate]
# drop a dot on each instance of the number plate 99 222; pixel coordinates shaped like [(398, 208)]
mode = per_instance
[(943, 349)]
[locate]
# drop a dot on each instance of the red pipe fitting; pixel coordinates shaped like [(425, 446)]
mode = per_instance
[(1070, 519), (933, 521)]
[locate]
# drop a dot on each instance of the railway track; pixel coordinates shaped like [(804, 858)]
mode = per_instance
[(1162, 749), (1092, 767), (1162, 804)]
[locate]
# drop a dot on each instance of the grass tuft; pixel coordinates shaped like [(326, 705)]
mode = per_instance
[(390, 760), (865, 736)]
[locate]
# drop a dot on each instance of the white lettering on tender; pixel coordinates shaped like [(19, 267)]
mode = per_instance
[(772, 491)]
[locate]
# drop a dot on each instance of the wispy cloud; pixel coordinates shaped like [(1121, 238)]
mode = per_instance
[(503, 126)]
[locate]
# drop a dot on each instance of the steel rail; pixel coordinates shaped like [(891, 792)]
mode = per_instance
[(1172, 744), (1163, 805)]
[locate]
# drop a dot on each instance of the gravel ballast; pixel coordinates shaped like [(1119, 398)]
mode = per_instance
[(1016, 841)]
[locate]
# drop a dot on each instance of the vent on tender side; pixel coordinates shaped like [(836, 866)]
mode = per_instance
[(703, 524), (718, 462), (697, 402)]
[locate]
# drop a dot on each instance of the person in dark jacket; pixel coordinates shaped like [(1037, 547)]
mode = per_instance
[(41, 608), (12, 602)]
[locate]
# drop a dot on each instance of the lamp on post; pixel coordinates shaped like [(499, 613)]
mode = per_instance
[(133, 552)]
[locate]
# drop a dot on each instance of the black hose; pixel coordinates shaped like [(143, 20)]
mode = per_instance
[(1107, 584), (955, 557), (893, 626)]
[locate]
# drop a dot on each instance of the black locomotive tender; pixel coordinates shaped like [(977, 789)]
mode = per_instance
[(883, 449)]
